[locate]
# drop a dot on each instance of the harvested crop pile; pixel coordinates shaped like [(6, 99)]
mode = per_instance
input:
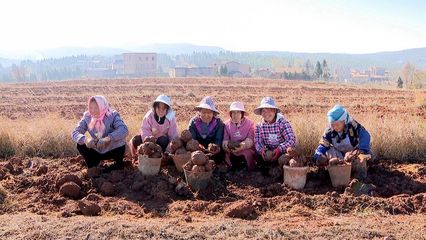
[(293, 158), (150, 149), (199, 163)]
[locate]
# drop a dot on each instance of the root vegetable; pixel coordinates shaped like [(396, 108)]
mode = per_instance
[(213, 148), (232, 145), (210, 165), (186, 135), (199, 158), (269, 155), (150, 139), (176, 144), (193, 145), (198, 169)]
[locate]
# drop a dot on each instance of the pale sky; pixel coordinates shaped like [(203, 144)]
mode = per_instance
[(358, 26)]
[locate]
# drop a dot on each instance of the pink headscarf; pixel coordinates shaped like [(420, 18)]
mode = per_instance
[(104, 109)]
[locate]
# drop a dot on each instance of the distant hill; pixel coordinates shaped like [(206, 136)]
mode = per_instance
[(390, 60)]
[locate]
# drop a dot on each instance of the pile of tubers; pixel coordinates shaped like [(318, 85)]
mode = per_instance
[(199, 163), (149, 148), (293, 158)]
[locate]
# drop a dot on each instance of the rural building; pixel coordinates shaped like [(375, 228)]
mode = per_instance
[(140, 64), (373, 74), (236, 69)]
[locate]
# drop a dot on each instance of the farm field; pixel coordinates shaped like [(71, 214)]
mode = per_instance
[(36, 151)]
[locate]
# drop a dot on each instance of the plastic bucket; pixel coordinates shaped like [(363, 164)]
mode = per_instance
[(198, 181), (340, 175), (180, 160), (149, 166), (295, 177)]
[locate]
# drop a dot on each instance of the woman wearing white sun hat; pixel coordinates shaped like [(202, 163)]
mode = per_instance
[(239, 129), (159, 122)]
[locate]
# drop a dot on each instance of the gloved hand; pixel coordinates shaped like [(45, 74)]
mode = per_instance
[(103, 142), (91, 143)]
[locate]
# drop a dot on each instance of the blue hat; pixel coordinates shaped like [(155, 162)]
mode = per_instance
[(338, 113)]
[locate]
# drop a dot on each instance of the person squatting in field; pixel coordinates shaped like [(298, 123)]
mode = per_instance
[(107, 132), (238, 140), (207, 128), (274, 134), (159, 122), (344, 138)]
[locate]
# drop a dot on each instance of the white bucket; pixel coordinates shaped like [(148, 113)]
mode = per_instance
[(340, 175), (295, 177), (149, 166)]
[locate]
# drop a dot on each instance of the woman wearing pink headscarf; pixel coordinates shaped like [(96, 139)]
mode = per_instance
[(239, 129), (107, 132)]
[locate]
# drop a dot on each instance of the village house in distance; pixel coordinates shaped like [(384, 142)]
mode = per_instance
[(137, 65)]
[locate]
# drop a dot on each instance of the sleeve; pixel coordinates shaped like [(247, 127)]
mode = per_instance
[(251, 132), (218, 139), (258, 140), (192, 128), (173, 132), (324, 144), (146, 126), (120, 129), (226, 136), (288, 135), (79, 131), (364, 140)]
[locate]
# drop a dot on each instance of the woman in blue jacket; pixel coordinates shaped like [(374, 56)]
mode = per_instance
[(342, 137)]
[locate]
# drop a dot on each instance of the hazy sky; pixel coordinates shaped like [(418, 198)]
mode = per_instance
[(357, 26)]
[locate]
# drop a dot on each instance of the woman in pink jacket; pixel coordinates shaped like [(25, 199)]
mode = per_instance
[(159, 122), (239, 129)]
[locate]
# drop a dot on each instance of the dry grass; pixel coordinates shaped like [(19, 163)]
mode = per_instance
[(395, 118), (395, 139)]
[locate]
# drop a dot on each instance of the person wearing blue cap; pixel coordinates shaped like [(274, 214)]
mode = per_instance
[(342, 138)]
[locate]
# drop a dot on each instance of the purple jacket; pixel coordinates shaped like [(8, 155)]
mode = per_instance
[(115, 128)]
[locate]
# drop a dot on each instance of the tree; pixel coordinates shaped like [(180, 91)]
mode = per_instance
[(318, 70), (325, 70), (408, 75), (223, 70), (400, 82), (308, 67)]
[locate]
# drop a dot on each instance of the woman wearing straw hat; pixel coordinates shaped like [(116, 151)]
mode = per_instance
[(239, 129), (274, 133), (206, 127), (107, 132), (159, 122)]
